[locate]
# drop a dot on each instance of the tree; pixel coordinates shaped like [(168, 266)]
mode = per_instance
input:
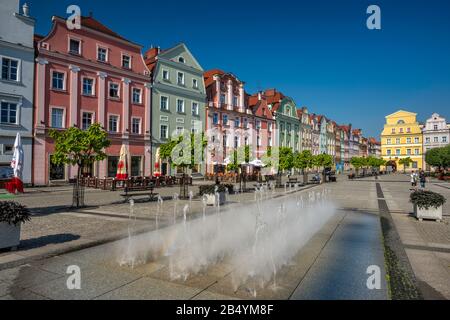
[(405, 162), (438, 157), (323, 161), (357, 163), (81, 148), (302, 161), (286, 162)]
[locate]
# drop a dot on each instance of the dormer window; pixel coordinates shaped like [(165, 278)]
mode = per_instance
[(181, 60), (74, 46), (126, 61)]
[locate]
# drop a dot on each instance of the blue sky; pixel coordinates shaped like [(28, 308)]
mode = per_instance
[(318, 52)]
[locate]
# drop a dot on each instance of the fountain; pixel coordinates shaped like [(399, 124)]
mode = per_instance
[(256, 239)]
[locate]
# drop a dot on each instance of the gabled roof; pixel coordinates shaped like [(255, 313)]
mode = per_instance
[(401, 112)]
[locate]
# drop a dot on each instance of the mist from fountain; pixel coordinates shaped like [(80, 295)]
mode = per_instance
[(257, 239)]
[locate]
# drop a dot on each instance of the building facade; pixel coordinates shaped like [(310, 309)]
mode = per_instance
[(374, 148), (305, 128), (85, 76), (229, 121), (16, 83), (402, 138), (315, 135), (178, 99), (436, 134)]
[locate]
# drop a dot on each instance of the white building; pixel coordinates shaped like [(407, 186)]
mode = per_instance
[(16, 83), (436, 133)]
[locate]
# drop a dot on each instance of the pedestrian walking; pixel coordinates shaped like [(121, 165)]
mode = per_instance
[(413, 177), (423, 179)]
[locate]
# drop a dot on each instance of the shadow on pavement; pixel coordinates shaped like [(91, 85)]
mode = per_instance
[(46, 240)]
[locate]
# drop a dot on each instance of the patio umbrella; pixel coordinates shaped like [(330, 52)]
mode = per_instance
[(157, 172), (257, 163), (123, 164), (17, 165)]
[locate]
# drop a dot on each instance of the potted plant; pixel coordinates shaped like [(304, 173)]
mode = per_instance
[(209, 191), (427, 205), (12, 215)]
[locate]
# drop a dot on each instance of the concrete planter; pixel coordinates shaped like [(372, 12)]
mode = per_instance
[(430, 213), (211, 199), (9, 236)]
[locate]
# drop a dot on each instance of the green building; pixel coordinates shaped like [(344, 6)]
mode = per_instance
[(178, 99)]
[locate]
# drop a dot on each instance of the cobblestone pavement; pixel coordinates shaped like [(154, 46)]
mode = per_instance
[(427, 243), (104, 278)]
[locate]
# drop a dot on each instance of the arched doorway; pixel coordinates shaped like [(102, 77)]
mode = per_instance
[(392, 164)]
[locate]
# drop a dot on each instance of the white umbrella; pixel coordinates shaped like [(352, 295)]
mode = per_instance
[(257, 163), (17, 163), (122, 166)]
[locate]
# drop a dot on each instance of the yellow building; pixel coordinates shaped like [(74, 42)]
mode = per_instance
[(402, 138)]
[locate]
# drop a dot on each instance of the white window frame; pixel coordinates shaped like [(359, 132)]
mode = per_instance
[(167, 131), (121, 61), (118, 122), (195, 83), (167, 103), (99, 46), (225, 116), (140, 125), (140, 95), (183, 78), (52, 71), (81, 117), (80, 50), (197, 111), (19, 68), (18, 107), (50, 121), (109, 90), (184, 106), (93, 86), (168, 74)]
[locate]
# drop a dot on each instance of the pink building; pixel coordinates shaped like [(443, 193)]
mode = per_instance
[(265, 126), (227, 115), (85, 76)]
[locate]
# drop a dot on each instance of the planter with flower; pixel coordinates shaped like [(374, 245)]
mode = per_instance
[(12, 216), (427, 205)]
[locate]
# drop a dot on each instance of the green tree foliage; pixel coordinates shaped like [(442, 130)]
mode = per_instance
[(286, 159), (303, 160), (405, 162), (323, 161), (438, 157)]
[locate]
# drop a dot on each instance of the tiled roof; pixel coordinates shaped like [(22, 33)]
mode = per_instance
[(94, 24), (209, 76)]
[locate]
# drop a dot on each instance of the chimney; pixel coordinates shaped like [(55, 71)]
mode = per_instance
[(259, 96), (26, 10), (159, 49)]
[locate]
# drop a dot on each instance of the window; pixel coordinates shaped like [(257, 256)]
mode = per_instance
[(401, 130), (397, 152), (388, 141), (88, 86), (57, 171), (180, 78), (164, 103), (408, 140), (87, 120), (8, 113), (408, 130), (436, 139), (236, 142), (258, 141), (10, 69), (225, 119), (57, 118), (397, 141), (225, 140), (113, 90), (126, 61), (444, 139), (388, 152), (408, 152), (137, 95), (181, 59), (393, 130), (237, 123), (164, 130), (113, 123), (435, 127), (215, 118), (102, 54), (195, 83), (166, 75), (223, 99), (416, 140), (180, 106), (180, 131), (74, 46), (258, 124), (235, 101), (58, 80), (416, 152), (136, 125), (427, 140), (400, 122), (245, 123), (194, 108)]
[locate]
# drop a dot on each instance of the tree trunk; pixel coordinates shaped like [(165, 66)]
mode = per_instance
[(305, 177)]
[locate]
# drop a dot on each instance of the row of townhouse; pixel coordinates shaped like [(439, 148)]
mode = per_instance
[(77, 77), (404, 137)]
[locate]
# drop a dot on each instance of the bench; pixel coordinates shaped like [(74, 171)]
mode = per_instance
[(138, 191)]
